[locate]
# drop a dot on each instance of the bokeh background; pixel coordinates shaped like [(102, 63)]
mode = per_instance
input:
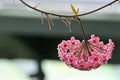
[(28, 49)]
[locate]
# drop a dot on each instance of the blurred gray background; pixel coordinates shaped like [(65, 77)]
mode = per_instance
[(23, 36)]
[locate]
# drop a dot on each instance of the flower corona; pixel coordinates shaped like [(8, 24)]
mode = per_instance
[(85, 55)]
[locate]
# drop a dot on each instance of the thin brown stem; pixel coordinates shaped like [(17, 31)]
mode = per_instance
[(84, 36), (82, 28), (59, 15)]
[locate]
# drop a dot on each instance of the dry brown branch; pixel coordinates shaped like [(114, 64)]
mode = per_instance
[(67, 23), (50, 21)]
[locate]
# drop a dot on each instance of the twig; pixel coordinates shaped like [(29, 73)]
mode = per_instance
[(42, 19), (50, 21), (59, 15), (67, 23)]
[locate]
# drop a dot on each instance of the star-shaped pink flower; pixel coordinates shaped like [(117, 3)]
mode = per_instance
[(85, 55)]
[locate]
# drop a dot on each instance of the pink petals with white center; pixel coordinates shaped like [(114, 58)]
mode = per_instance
[(85, 55)]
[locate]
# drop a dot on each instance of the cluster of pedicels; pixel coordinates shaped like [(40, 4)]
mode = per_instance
[(85, 55)]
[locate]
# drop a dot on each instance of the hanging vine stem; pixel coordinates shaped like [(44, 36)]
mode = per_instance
[(67, 18), (82, 28), (84, 36), (70, 16)]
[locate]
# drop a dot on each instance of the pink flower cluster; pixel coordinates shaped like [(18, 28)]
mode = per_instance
[(85, 55)]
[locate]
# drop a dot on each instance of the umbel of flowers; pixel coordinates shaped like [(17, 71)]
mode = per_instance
[(82, 55), (85, 55)]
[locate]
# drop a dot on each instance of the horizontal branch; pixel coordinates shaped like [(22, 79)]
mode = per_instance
[(70, 16)]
